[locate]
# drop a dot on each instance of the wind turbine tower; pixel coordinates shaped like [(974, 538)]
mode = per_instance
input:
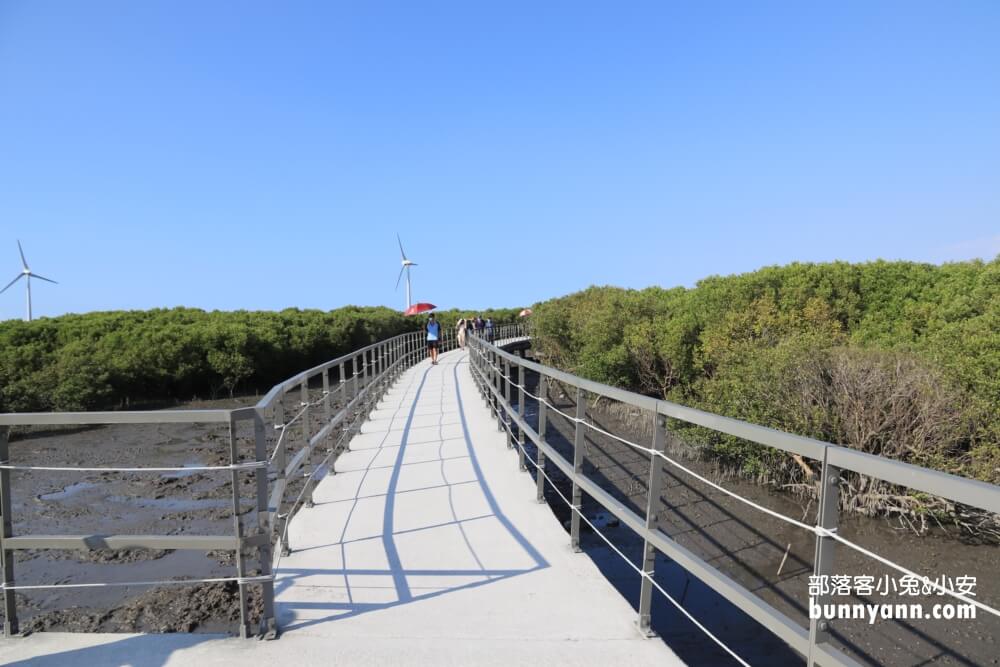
[(406, 268), (27, 274)]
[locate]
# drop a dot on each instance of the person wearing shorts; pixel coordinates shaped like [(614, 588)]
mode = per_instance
[(433, 329)]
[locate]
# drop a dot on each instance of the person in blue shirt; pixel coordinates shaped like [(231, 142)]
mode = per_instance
[(433, 329)]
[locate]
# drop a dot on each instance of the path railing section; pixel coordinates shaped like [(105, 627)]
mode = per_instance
[(309, 414), (494, 370)]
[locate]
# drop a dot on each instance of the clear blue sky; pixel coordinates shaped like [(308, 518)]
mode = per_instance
[(264, 154)]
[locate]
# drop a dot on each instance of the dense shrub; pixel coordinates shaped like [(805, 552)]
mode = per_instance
[(111, 359), (893, 358)]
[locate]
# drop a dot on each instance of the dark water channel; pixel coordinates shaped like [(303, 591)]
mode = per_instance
[(749, 546)]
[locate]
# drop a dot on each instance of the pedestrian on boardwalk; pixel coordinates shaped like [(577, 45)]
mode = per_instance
[(489, 329), (433, 329), (460, 332)]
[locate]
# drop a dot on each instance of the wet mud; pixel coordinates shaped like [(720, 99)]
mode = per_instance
[(750, 547), (194, 503)]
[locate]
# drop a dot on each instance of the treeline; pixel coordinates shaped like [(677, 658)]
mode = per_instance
[(893, 358), (106, 360)]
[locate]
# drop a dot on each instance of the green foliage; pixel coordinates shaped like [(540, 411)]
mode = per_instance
[(111, 359), (909, 351)]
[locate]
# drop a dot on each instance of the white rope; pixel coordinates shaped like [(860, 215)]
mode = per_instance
[(290, 513), (817, 530), (304, 406), (164, 582), (924, 580), (653, 452), (640, 571), (284, 427), (251, 465), (552, 407)]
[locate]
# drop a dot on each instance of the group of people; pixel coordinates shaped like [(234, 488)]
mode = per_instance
[(477, 325)]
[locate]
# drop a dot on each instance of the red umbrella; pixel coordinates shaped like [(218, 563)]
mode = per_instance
[(418, 308), (525, 312)]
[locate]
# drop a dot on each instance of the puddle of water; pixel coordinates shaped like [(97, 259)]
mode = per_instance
[(68, 491)]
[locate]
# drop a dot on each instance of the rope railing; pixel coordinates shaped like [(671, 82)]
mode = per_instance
[(373, 368), (642, 573), (817, 530), (491, 377)]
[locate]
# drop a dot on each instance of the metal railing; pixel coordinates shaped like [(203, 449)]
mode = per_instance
[(492, 369), (361, 378)]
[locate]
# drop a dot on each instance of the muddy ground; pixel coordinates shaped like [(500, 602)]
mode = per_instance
[(139, 503), (745, 544), (748, 546)]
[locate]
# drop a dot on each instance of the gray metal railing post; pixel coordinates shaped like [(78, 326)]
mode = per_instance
[(506, 399), (581, 413), (327, 399), (354, 377), (342, 379), (654, 505), (364, 376), (10, 624), (382, 359), (543, 384), (522, 465), (483, 372), (268, 622), (304, 398), (306, 429), (241, 566), (279, 424), (496, 393), (829, 512)]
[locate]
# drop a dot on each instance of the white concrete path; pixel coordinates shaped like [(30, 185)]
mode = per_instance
[(426, 547)]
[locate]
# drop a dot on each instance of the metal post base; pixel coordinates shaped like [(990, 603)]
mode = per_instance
[(268, 630), (642, 625)]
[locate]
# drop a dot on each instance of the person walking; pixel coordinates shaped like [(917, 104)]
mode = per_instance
[(433, 329), (489, 329), (460, 332)]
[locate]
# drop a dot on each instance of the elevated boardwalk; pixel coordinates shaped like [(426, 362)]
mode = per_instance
[(426, 547)]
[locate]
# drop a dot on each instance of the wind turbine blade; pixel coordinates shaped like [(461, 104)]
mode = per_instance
[(403, 254), (48, 280), (414, 264), (24, 262), (19, 276), (400, 276)]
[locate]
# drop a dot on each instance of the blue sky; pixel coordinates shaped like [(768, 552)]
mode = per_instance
[(264, 155)]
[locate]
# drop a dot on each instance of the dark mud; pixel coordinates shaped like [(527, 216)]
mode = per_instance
[(143, 503), (748, 546)]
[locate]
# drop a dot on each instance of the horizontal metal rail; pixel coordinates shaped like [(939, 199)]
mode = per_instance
[(91, 542), (492, 369), (136, 417), (361, 378)]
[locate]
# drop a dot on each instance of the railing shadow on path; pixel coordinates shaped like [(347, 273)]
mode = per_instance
[(354, 583)]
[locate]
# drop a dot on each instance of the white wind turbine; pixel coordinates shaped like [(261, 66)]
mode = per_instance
[(406, 267), (27, 274)]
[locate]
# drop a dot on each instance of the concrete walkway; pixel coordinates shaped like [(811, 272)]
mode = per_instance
[(425, 547)]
